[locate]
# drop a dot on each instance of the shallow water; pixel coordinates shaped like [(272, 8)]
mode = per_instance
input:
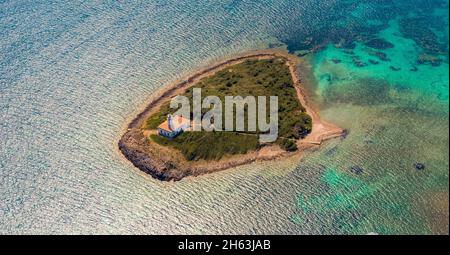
[(72, 74)]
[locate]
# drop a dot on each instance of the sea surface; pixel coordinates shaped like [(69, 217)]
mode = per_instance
[(74, 73)]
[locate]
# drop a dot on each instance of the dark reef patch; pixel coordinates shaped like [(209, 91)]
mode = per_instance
[(348, 52), (336, 61), (366, 91), (380, 55), (414, 69), (379, 44), (331, 151), (315, 30), (419, 166), (426, 59), (358, 62), (396, 69), (357, 170), (275, 45), (419, 30), (345, 133)]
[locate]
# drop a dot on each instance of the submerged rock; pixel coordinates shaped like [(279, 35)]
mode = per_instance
[(368, 141), (349, 52), (357, 61), (336, 61), (344, 134), (373, 62), (331, 151), (419, 166), (380, 55), (379, 44), (393, 68), (422, 33), (414, 69), (356, 170), (426, 59), (360, 64), (302, 53), (275, 45)]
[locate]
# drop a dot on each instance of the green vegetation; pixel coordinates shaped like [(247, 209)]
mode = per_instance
[(210, 145), (250, 78), (287, 144)]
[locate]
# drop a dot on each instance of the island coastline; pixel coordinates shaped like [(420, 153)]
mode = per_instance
[(156, 161)]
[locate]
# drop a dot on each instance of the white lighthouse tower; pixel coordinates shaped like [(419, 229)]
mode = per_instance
[(170, 122)]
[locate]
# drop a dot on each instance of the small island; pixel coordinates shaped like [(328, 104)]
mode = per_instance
[(165, 146)]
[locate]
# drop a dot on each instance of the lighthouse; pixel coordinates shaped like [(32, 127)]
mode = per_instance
[(174, 126)]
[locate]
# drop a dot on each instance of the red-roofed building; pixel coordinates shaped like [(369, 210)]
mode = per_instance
[(174, 126)]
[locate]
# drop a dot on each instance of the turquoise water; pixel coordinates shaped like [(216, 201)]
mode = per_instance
[(72, 75)]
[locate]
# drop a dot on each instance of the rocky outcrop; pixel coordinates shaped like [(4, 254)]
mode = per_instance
[(132, 145)]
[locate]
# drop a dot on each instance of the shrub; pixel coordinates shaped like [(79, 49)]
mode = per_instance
[(288, 145)]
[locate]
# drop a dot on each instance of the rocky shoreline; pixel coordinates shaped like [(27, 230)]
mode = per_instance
[(166, 164)]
